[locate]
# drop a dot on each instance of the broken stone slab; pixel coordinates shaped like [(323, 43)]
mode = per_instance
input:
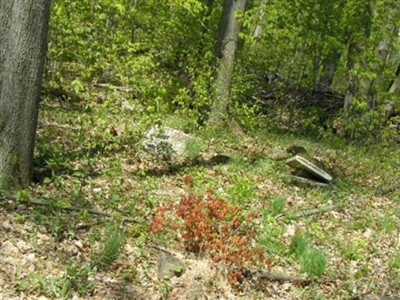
[(169, 266), (167, 141), (301, 181), (299, 163)]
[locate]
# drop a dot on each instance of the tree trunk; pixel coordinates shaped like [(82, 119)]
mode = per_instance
[(329, 67), (132, 6), (261, 22), (226, 46), (23, 41), (356, 46), (394, 86)]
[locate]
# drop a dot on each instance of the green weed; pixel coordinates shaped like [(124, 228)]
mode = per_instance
[(355, 250), (300, 242), (313, 262), (111, 247), (277, 205), (242, 191), (394, 263)]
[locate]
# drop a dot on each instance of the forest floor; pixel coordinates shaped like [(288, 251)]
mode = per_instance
[(92, 156)]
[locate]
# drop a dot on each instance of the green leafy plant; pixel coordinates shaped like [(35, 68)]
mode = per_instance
[(77, 279), (355, 250)]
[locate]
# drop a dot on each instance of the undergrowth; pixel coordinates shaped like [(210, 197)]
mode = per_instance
[(209, 224)]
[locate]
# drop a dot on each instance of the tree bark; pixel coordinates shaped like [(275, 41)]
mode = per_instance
[(356, 46), (23, 41), (225, 52), (261, 22), (329, 67), (394, 86)]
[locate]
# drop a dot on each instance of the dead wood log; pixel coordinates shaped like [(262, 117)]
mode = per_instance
[(265, 275), (321, 210), (387, 189)]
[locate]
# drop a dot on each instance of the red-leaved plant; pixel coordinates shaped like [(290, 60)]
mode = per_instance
[(210, 224)]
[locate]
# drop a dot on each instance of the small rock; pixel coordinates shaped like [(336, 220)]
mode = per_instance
[(169, 266), (78, 244), (127, 106), (31, 257), (167, 141)]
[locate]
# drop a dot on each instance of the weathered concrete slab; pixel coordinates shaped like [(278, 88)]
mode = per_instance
[(298, 162)]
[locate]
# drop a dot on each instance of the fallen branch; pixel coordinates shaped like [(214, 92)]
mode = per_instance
[(321, 210), (264, 275), (314, 211), (387, 189), (36, 202)]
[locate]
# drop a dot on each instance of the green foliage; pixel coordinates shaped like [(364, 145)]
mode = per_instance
[(242, 191), (355, 250), (313, 262), (75, 279), (193, 148), (299, 243), (394, 263), (277, 205), (112, 245)]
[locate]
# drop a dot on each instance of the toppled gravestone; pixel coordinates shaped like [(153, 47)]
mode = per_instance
[(167, 141), (304, 166)]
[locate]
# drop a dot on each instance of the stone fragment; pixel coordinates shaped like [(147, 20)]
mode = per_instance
[(169, 266), (299, 163)]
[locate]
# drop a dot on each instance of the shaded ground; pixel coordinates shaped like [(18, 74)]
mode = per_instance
[(92, 156)]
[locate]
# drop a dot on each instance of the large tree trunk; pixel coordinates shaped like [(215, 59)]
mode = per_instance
[(226, 46), (23, 40)]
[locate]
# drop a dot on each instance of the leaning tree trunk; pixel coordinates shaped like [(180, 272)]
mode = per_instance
[(23, 40), (226, 46)]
